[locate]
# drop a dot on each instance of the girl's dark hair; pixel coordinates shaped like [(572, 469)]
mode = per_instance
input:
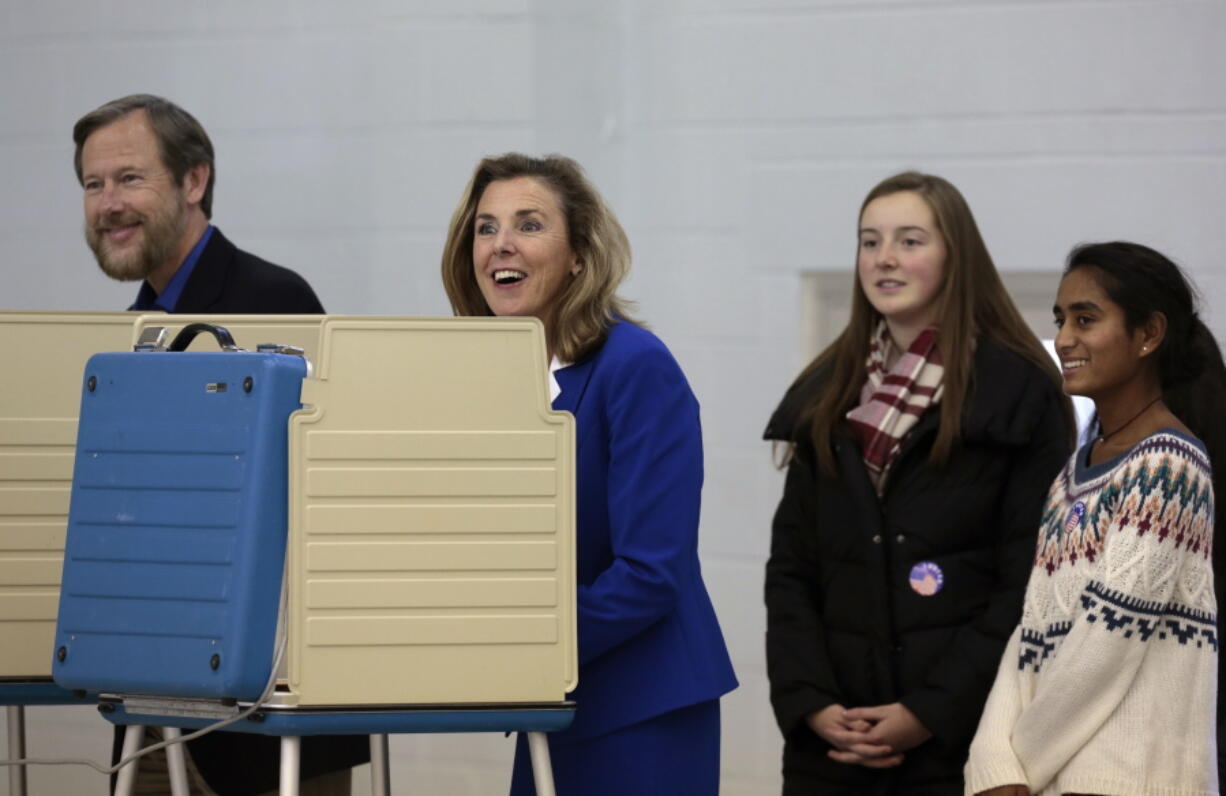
[(1142, 281)]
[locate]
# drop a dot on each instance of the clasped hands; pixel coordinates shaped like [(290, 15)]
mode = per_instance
[(873, 737)]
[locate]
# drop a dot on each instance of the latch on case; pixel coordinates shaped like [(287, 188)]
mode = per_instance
[(152, 338)]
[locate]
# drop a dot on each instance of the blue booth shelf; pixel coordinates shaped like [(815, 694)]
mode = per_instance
[(41, 692), (382, 720)]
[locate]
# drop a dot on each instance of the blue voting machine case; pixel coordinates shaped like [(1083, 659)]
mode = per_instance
[(177, 524)]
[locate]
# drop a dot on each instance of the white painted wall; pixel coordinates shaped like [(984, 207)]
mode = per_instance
[(736, 138)]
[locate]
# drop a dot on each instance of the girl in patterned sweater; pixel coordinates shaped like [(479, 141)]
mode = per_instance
[(1109, 684)]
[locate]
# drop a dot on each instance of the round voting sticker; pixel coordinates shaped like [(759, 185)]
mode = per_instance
[(927, 578)]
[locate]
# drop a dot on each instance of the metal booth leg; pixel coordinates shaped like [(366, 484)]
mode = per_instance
[(17, 749), (291, 755), (380, 773), (542, 771), (125, 779), (176, 762)]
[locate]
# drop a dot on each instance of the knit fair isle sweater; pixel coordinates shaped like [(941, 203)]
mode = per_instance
[(1108, 685)]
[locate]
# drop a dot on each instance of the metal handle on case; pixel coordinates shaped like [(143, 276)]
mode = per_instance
[(188, 333)]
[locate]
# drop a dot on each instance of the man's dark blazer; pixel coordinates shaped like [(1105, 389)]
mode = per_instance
[(227, 279)]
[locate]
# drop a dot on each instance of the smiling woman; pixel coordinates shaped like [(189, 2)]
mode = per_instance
[(1120, 613), (531, 236), (922, 442), (537, 227), (522, 258)]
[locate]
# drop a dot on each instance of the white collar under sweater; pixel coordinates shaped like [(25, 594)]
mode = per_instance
[(1109, 683)]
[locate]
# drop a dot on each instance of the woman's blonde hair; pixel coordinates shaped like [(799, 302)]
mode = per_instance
[(589, 303), (972, 302)]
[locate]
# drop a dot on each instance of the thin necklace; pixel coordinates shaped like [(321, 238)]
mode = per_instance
[(1102, 437)]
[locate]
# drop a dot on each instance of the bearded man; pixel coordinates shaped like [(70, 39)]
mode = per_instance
[(146, 166)]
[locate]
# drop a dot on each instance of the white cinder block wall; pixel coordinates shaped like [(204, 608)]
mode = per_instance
[(735, 138)]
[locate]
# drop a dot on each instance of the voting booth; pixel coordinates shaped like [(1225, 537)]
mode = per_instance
[(383, 506)]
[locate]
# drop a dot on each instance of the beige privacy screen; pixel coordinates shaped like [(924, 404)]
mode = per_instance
[(42, 359), (431, 553)]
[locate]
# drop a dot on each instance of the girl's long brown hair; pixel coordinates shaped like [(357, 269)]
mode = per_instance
[(972, 302)]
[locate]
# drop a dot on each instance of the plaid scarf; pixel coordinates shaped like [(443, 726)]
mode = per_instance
[(892, 403)]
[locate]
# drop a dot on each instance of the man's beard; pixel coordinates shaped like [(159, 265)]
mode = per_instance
[(160, 231)]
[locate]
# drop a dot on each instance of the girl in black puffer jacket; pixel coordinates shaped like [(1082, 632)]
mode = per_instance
[(922, 442)]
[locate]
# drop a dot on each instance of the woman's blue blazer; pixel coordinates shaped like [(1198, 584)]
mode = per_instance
[(649, 641)]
